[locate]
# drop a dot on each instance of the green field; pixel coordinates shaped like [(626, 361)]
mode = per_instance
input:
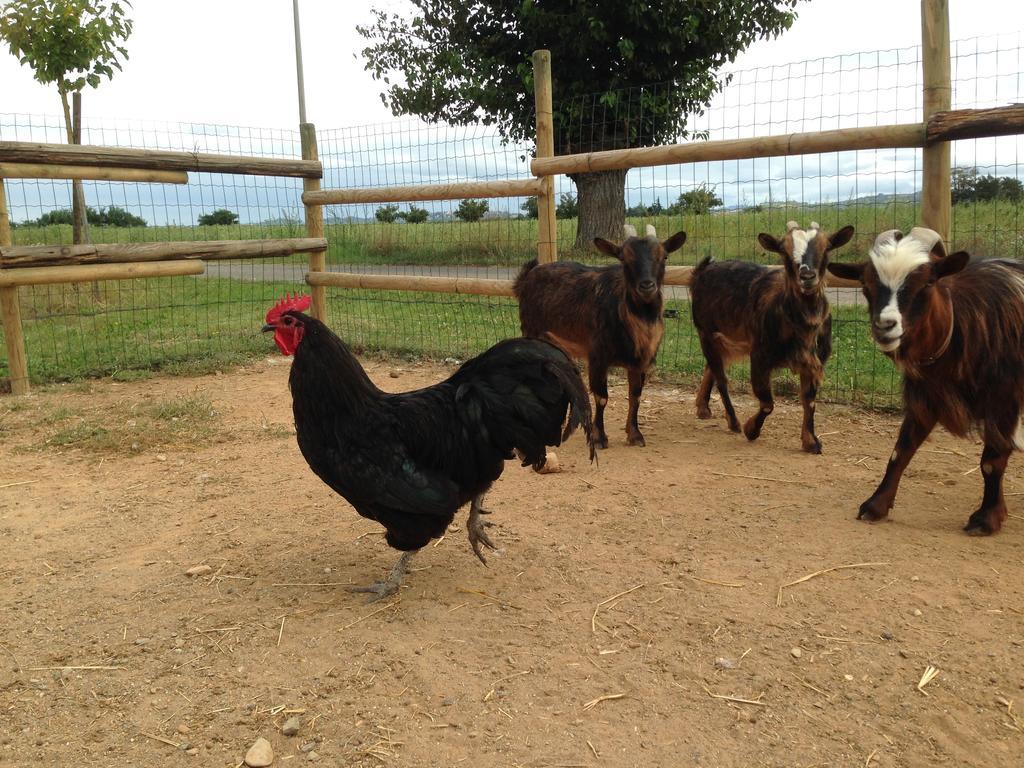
[(128, 329), (990, 229)]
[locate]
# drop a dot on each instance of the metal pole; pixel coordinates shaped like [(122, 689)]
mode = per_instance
[(298, 63)]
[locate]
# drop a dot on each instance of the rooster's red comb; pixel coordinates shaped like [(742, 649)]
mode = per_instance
[(296, 302)]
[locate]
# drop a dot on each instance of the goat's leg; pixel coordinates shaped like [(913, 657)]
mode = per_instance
[(913, 432), (597, 372), (809, 382), (990, 515), (637, 379), (392, 583), (761, 383), (717, 367), (703, 398)]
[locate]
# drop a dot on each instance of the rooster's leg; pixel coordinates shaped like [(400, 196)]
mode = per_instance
[(478, 527), (389, 586)]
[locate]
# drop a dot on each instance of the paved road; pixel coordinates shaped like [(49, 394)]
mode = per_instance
[(257, 271)]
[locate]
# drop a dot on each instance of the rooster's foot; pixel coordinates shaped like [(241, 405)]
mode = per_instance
[(391, 585), (478, 529)]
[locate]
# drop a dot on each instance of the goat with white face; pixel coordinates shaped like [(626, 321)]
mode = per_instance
[(955, 327), (779, 317)]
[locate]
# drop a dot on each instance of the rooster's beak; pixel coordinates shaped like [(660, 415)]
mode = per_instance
[(267, 327)]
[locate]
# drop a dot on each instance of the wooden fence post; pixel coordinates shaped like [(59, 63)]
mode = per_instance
[(547, 232), (14, 336), (314, 222), (937, 97)]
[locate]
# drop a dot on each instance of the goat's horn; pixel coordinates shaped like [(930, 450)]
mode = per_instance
[(791, 225), (629, 230), (889, 236), (931, 240), (650, 231), (815, 225)]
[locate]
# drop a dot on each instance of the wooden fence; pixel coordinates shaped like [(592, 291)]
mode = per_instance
[(40, 265), (44, 264)]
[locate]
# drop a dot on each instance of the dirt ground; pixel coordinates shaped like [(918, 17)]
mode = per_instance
[(634, 619)]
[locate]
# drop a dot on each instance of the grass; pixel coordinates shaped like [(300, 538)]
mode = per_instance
[(134, 428), (990, 228), (200, 325)]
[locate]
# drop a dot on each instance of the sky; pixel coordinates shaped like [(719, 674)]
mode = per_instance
[(232, 62)]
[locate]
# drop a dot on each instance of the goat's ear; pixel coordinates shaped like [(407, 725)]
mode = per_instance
[(840, 238), (847, 271), (606, 246), (675, 242), (770, 243), (950, 265)]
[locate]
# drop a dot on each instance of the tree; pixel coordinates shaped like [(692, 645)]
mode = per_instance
[(696, 201), (415, 215), (387, 214), (117, 217), (72, 43), (568, 207), (463, 61), (472, 210), (220, 216), (529, 208), (969, 187)]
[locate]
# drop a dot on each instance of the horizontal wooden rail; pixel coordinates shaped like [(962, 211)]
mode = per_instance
[(842, 139), (20, 256), (89, 173), (452, 191), (155, 159), (468, 285), (976, 123), (942, 126), (12, 278), (480, 286)]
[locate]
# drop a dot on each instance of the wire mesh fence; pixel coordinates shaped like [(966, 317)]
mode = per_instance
[(196, 323)]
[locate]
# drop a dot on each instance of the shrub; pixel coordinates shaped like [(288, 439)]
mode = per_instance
[(415, 215), (568, 206), (472, 210), (387, 213), (220, 216)]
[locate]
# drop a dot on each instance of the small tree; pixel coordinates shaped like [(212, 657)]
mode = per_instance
[(568, 207), (472, 210), (72, 43), (220, 216), (415, 215), (387, 213), (529, 208), (697, 201), (119, 217)]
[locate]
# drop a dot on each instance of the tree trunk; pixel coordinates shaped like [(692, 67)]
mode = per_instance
[(80, 226), (602, 202)]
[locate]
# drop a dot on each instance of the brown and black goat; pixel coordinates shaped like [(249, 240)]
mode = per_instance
[(609, 315), (955, 327), (777, 317)]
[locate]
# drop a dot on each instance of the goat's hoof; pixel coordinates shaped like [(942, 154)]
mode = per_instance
[(751, 431), (873, 511), (985, 522), (637, 440), (703, 412), (601, 441), (734, 426), (814, 447)]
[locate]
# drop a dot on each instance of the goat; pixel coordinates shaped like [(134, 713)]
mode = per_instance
[(955, 327), (609, 315), (777, 317)]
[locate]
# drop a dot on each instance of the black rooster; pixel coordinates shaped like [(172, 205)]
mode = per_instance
[(411, 460)]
